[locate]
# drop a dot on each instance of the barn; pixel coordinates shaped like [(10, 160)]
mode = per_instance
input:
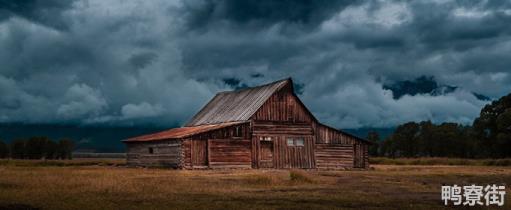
[(260, 127)]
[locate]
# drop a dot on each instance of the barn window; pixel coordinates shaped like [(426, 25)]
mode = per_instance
[(151, 151), (237, 131), (299, 142), (265, 138)]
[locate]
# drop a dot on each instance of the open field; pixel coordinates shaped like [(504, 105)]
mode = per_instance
[(440, 161), (106, 184)]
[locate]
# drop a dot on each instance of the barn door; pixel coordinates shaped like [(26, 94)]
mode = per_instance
[(266, 153), (199, 153), (359, 156)]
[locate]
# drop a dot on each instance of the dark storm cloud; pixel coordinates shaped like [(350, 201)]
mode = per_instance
[(46, 12), (260, 13), (143, 62)]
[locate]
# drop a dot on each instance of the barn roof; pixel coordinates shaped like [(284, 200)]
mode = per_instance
[(182, 132), (238, 105)]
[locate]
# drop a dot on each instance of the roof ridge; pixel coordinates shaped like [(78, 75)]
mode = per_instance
[(254, 87)]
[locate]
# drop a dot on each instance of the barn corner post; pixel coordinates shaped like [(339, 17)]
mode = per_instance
[(267, 126)]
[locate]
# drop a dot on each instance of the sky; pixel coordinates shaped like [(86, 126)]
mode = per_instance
[(113, 62)]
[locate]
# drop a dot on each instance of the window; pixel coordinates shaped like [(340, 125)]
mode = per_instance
[(299, 142), (237, 131), (265, 138), (151, 150)]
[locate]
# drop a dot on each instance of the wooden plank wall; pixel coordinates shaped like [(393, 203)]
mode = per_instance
[(199, 153), (361, 156), (229, 153), (186, 162), (334, 156), (165, 153), (283, 106), (283, 156), (195, 148), (281, 128), (293, 156), (327, 135)]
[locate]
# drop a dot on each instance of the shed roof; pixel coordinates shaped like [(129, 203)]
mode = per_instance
[(238, 105), (182, 132)]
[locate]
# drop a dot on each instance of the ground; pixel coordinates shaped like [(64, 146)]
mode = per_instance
[(108, 185)]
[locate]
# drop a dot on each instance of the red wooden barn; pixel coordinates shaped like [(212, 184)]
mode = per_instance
[(259, 127)]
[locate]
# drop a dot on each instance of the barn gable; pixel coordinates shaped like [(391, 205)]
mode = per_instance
[(285, 107)]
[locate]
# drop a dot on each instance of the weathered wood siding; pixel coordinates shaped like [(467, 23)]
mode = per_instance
[(327, 135), (229, 153), (361, 156), (293, 156), (334, 156), (283, 106), (337, 150), (164, 153), (282, 116), (211, 149), (275, 153)]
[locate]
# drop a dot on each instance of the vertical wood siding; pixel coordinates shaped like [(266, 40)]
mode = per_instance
[(280, 117), (327, 135), (199, 153), (283, 106), (293, 156)]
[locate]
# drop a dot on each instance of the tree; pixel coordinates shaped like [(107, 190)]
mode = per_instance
[(36, 146), (4, 150), (374, 138), (51, 150), (18, 149), (405, 139), (425, 140), (65, 149), (493, 128)]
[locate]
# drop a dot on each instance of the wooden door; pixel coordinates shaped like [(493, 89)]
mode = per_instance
[(199, 153), (359, 156), (266, 154)]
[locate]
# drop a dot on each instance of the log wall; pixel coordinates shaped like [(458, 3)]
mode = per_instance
[(334, 156), (327, 138), (164, 153), (229, 153)]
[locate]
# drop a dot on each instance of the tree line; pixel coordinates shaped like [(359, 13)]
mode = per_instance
[(38, 147), (489, 136)]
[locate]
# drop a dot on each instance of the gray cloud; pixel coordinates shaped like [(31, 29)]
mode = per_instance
[(158, 62)]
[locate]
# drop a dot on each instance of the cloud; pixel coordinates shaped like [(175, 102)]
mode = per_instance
[(82, 100), (159, 62), (45, 12)]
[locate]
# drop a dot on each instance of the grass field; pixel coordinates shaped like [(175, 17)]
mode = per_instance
[(106, 184)]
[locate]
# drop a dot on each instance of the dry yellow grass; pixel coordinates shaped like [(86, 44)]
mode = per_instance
[(117, 187)]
